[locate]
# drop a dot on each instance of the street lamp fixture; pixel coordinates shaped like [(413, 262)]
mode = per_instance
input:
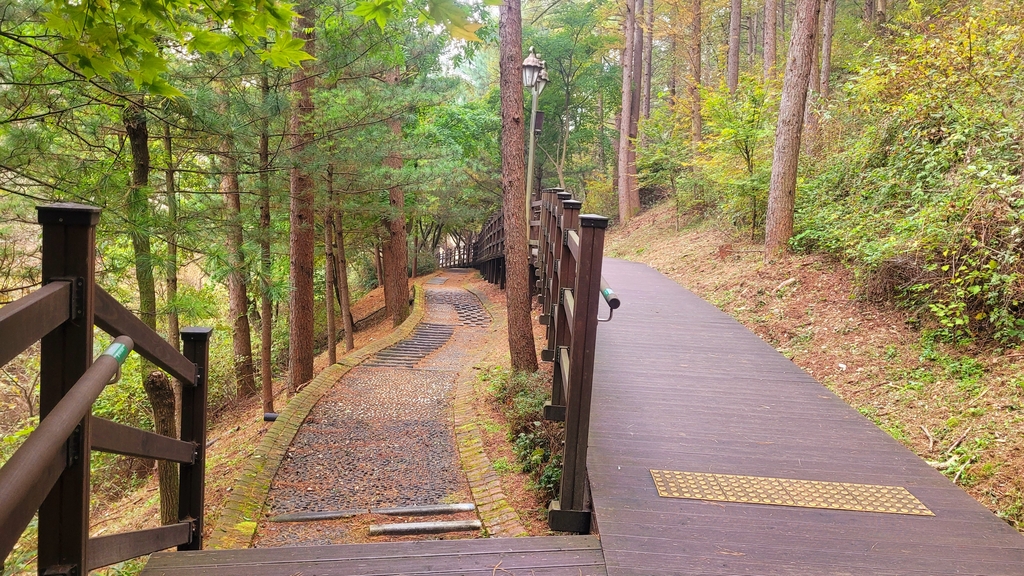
[(535, 77)]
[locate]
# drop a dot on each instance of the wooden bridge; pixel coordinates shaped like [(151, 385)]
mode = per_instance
[(692, 447)]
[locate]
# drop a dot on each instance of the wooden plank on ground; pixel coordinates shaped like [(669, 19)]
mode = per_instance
[(540, 556)]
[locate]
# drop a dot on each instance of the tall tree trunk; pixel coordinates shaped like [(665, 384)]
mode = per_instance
[(673, 72), (513, 187), (602, 159), (813, 89), (377, 267), (782, 18), (828, 29), (634, 115), (238, 296), (415, 251), (266, 264), (158, 386), (782, 190), (645, 105), (158, 391), (171, 268), (732, 79), (329, 279), (751, 31), (395, 253), (302, 235), (693, 86), (341, 269), (625, 211), (771, 32)]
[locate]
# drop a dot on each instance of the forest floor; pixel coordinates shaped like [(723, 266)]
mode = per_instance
[(958, 407)]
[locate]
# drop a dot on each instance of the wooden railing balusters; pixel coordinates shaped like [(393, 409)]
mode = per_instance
[(565, 279)]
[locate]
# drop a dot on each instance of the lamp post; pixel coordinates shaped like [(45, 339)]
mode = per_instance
[(534, 78)]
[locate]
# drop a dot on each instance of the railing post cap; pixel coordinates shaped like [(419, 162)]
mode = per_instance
[(555, 189), (193, 333), (563, 195), (68, 214), (572, 204), (593, 221)]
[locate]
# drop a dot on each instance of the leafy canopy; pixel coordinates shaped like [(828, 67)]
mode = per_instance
[(138, 38)]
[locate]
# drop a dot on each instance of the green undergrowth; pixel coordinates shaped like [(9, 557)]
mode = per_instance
[(537, 444), (917, 181)]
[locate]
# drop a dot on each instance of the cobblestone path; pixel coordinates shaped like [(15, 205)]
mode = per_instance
[(383, 436)]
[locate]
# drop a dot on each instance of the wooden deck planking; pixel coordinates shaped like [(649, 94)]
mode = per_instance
[(545, 556), (679, 385)]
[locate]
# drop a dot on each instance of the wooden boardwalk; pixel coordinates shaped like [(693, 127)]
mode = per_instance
[(681, 386)]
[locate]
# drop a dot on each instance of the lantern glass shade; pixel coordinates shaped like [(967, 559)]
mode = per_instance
[(532, 68)]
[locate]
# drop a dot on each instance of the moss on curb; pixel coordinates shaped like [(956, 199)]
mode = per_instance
[(236, 526), (497, 515)]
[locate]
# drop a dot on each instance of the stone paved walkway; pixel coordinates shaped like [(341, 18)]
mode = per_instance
[(383, 436)]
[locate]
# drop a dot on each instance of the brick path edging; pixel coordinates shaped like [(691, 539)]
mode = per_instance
[(496, 514), (236, 526)]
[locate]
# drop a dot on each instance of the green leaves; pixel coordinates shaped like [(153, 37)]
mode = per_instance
[(454, 18), (136, 38), (379, 11), (448, 13), (285, 52)]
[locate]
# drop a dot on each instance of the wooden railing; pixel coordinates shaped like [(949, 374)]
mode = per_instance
[(568, 262), (566, 254), (489, 249), (458, 256), (49, 473)]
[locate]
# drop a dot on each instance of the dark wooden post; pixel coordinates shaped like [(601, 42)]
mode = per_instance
[(566, 278), (572, 515), (69, 250), (195, 347)]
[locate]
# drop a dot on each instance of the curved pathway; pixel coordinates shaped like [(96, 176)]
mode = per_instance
[(383, 435)]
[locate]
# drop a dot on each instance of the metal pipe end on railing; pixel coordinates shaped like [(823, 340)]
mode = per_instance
[(609, 295)]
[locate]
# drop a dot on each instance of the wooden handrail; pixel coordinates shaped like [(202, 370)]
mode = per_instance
[(20, 477), (49, 473), (569, 305), (572, 241), (117, 438), (113, 548), (114, 319), (28, 319)]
